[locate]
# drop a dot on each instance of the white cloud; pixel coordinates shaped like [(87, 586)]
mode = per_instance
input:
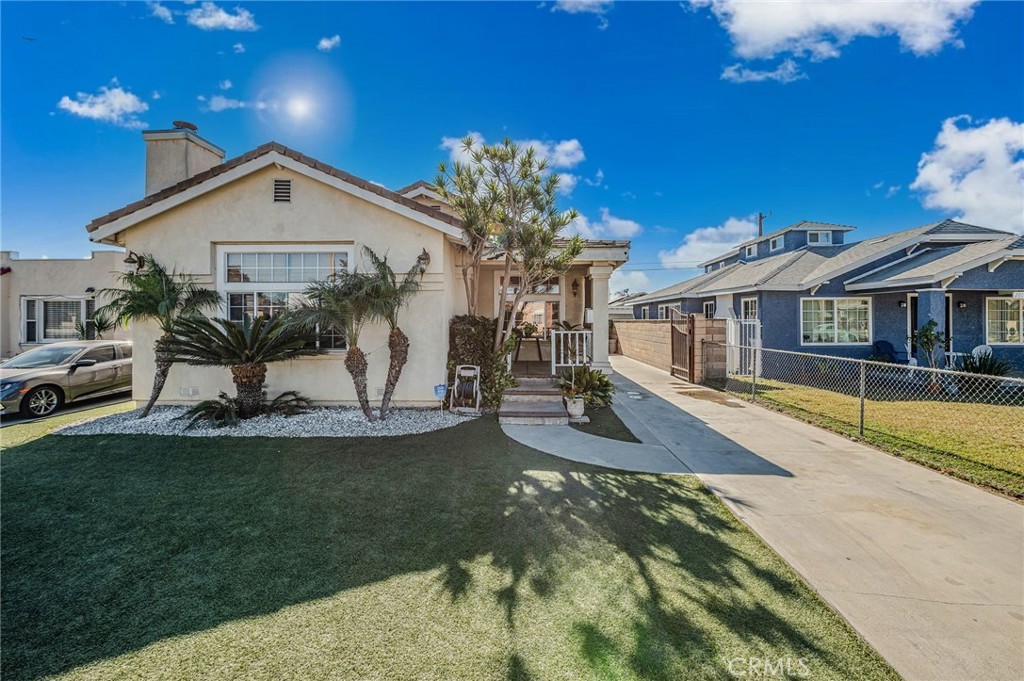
[(239, 48), (608, 227), (225, 84), (209, 17), (892, 191), (561, 155), (598, 180), (786, 72), (707, 242), (634, 281), (976, 172), (218, 103), (160, 12), (111, 104), (566, 183), (600, 8), (328, 44), (156, 95), (761, 30), (878, 185)]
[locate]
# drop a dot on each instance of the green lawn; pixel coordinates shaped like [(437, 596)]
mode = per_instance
[(606, 423), (981, 443), (455, 554)]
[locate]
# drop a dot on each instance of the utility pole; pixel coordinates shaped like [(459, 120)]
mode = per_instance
[(761, 217)]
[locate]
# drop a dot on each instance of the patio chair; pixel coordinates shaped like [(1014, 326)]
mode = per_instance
[(888, 353), (981, 351)]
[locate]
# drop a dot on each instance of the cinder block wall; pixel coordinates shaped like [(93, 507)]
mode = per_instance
[(646, 340)]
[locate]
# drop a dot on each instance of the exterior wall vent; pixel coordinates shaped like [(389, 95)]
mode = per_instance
[(282, 191)]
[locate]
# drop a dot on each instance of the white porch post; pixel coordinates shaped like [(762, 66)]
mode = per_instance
[(599, 287)]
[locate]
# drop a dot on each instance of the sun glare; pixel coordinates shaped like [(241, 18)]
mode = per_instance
[(299, 107)]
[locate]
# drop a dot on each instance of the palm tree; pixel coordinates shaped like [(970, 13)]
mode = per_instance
[(96, 324), (151, 293), (386, 295), (340, 302), (245, 347)]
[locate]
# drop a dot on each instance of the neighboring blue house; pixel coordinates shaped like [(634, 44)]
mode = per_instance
[(814, 292)]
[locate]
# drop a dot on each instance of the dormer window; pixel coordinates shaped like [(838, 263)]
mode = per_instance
[(819, 238), (282, 191), (775, 244), (750, 251)]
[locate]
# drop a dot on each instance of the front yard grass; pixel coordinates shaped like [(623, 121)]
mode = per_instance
[(604, 422), (454, 554), (981, 443)]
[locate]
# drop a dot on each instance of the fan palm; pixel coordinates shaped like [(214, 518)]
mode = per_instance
[(386, 296), (245, 347), (95, 325), (154, 294), (340, 302)]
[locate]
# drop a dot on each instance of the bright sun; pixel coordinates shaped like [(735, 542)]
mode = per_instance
[(298, 107)]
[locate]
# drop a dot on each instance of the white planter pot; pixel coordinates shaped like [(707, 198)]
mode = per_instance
[(574, 407)]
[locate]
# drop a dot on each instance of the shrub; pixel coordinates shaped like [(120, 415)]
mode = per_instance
[(471, 341), (986, 364), (595, 387), (225, 410)]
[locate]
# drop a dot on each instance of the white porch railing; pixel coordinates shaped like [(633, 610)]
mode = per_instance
[(571, 349)]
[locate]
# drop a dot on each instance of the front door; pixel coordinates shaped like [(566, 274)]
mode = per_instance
[(912, 323)]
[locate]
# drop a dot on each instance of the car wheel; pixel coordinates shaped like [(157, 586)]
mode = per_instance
[(41, 401)]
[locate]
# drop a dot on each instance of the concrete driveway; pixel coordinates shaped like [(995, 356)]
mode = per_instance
[(928, 569)]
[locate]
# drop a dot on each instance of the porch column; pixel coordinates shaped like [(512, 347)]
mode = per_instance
[(599, 283), (931, 304)]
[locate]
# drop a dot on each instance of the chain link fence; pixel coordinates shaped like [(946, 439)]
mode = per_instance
[(952, 416)]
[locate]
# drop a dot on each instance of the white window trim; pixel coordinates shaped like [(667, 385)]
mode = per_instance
[(757, 307), (824, 238), (1020, 321), (559, 297), (224, 287), (713, 309), (750, 251), (771, 244), (40, 323), (663, 311), (645, 312), (871, 322)]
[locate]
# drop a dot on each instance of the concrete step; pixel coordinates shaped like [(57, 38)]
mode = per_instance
[(533, 414), (535, 381), (532, 394)]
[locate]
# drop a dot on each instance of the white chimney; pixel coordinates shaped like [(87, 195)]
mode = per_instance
[(176, 155)]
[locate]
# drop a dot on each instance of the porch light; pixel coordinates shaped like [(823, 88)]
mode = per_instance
[(962, 305), (902, 303), (575, 287), (135, 259), (424, 261)]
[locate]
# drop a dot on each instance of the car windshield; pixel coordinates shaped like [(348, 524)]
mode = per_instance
[(41, 357)]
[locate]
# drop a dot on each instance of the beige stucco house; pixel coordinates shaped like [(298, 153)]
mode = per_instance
[(258, 226), (43, 301)]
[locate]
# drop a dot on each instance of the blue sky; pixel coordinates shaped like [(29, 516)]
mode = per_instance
[(675, 123)]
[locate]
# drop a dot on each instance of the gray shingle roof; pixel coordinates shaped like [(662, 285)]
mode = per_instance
[(955, 227), (932, 264), (803, 225)]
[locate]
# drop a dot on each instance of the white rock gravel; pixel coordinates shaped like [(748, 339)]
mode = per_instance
[(318, 422)]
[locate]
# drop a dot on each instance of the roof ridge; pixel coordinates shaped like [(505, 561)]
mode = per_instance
[(798, 253)]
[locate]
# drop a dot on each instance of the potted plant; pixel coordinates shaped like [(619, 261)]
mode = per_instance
[(582, 386), (574, 401), (529, 329), (932, 341)]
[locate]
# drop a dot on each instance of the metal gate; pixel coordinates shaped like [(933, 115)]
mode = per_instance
[(743, 337), (681, 336)]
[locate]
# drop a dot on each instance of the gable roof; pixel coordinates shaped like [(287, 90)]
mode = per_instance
[(280, 151), (802, 226)]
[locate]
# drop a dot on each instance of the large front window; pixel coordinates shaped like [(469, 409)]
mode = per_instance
[(260, 282), (52, 319), (1004, 319), (835, 320)]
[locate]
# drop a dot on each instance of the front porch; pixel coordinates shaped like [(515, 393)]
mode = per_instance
[(545, 355)]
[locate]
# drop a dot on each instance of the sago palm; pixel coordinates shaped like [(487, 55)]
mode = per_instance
[(340, 302), (386, 295), (154, 294), (245, 347)]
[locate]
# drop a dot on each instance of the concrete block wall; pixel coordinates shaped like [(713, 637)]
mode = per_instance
[(646, 340)]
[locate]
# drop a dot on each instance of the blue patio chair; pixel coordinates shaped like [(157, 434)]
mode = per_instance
[(887, 352)]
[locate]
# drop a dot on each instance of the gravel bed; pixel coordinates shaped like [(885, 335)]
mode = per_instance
[(318, 422)]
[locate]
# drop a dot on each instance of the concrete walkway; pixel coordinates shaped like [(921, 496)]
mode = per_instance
[(569, 443), (928, 569)]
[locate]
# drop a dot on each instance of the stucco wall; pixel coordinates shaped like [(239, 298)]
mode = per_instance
[(31, 278), (243, 212), (646, 340)]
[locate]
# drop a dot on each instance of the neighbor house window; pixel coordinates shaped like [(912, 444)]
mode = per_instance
[(748, 308), (750, 251), (835, 320), (709, 309), (54, 318), (1004, 319), (664, 311), (775, 244), (259, 282), (819, 238), (644, 312)]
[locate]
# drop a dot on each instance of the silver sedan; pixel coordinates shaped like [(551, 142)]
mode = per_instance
[(38, 382)]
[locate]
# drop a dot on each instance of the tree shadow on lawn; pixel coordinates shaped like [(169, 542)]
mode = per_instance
[(112, 543)]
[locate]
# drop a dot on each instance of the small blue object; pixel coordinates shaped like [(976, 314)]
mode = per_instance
[(439, 390)]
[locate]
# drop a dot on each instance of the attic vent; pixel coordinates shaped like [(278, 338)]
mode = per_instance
[(282, 191)]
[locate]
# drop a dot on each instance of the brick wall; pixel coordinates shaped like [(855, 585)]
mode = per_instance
[(646, 340)]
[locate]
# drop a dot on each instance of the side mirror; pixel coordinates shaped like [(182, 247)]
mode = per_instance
[(85, 363)]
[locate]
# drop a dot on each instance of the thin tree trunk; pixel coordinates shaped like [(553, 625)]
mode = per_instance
[(355, 363), (249, 380), (398, 348), (164, 360), (499, 333)]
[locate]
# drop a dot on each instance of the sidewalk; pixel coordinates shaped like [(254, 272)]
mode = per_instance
[(928, 569)]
